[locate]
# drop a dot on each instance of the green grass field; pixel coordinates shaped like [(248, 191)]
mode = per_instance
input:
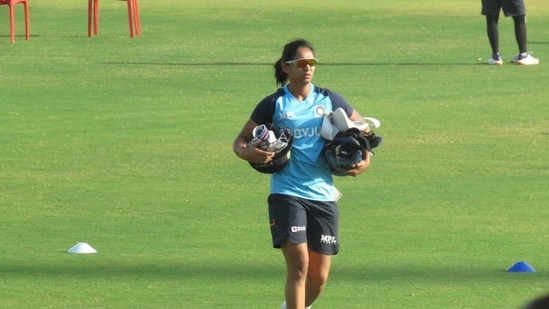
[(126, 144)]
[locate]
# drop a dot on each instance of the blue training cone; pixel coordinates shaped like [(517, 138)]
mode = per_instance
[(521, 267)]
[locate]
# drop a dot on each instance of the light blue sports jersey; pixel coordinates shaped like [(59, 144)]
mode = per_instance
[(307, 175)]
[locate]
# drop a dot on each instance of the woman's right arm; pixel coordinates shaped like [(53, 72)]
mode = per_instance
[(250, 154)]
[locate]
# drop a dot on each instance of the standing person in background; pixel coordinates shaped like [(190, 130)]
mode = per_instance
[(541, 302), (303, 213), (517, 10)]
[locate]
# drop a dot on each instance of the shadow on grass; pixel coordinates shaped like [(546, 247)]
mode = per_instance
[(20, 36), (270, 64), (431, 273), (221, 270), (91, 269)]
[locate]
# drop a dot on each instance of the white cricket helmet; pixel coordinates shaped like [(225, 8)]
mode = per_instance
[(338, 121)]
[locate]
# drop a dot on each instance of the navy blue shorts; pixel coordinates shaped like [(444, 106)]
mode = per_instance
[(304, 221), (510, 7)]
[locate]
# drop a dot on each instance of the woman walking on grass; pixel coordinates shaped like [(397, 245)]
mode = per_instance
[(303, 213)]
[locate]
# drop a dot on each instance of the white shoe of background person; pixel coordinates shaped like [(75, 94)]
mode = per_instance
[(525, 60)]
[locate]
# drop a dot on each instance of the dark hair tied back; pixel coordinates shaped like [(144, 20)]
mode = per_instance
[(288, 53)]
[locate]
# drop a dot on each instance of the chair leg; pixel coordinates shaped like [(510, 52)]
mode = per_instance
[(95, 16), (136, 14), (133, 17), (130, 19), (27, 26), (12, 23), (90, 13)]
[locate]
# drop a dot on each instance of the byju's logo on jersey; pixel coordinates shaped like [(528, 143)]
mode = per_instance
[(296, 229), (327, 239)]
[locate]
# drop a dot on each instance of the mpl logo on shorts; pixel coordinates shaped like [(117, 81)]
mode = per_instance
[(327, 239), (296, 229)]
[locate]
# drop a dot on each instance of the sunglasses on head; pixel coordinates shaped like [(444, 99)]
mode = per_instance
[(301, 63)]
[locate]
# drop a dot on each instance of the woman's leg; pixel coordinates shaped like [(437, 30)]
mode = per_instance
[(297, 262), (317, 275)]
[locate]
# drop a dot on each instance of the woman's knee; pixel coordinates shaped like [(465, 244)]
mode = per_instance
[(319, 269), (297, 259), (317, 277)]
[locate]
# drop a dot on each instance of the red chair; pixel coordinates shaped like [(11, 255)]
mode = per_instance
[(93, 17), (11, 4)]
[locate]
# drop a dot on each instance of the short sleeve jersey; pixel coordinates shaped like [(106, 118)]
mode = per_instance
[(307, 174)]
